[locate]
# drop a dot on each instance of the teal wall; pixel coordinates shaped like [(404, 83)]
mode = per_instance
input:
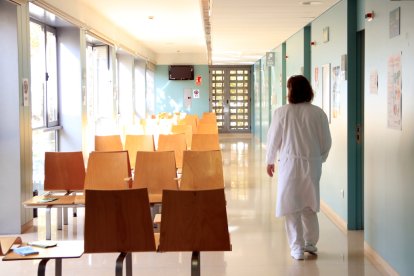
[(257, 88), (334, 175), (169, 94), (389, 153), (265, 99), (277, 93)]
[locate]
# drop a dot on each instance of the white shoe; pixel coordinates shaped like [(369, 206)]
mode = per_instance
[(298, 256), (310, 248)]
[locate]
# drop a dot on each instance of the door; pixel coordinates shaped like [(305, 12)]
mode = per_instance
[(230, 97)]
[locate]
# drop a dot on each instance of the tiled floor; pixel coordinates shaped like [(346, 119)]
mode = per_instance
[(258, 238)]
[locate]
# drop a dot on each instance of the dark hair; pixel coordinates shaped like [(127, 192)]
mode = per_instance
[(299, 90)]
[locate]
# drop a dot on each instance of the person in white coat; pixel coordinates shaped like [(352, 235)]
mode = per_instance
[(299, 134)]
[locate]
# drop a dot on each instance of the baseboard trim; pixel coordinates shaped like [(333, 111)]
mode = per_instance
[(334, 217), (28, 225), (369, 252), (378, 261)]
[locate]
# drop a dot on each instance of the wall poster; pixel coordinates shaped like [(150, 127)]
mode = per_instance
[(394, 92), (395, 22), (316, 78), (326, 90), (336, 92)]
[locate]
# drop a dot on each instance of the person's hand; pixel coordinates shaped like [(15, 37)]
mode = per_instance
[(270, 169)]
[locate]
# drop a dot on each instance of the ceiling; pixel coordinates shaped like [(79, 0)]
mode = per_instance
[(237, 31)]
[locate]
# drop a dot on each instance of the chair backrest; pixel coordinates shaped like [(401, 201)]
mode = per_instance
[(64, 171), (108, 143), (155, 171), (209, 117), (194, 221), (118, 221), (107, 170), (173, 142), (190, 119), (7, 242), (207, 128), (205, 142), (202, 170), (134, 143), (187, 130)]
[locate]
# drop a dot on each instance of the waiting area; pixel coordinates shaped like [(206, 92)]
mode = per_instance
[(258, 239)]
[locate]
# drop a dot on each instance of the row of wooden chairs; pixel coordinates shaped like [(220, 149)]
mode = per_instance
[(166, 125), (120, 221), (64, 171), (175, 142)]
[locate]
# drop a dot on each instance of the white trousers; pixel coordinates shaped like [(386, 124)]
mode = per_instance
[(302, 228)]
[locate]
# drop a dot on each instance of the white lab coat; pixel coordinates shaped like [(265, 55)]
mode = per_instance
[(300, 133)]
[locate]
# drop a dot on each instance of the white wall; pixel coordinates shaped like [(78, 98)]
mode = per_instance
[(389, 153), (10, 178)]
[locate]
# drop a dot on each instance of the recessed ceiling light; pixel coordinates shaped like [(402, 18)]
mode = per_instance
[(309, 3)]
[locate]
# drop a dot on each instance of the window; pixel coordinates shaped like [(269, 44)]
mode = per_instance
[(44, 93), (43, 75)]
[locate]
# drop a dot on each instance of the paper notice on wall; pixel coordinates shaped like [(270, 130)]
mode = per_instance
[(196, 94), (373, 82), (394, 92), (336, 92)]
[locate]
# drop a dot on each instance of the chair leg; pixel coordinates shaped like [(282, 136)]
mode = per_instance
[(195, 263), (59, 218), (41, 270), (65, 215), (120, 263), (48, 223)]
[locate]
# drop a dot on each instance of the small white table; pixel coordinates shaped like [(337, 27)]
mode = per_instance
[(63, 250)]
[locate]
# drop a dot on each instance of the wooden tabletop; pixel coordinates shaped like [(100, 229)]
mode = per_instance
[(36, 201), (80, 199), (63, 249)]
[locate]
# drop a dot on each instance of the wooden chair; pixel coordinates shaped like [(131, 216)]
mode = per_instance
[(190, 119), (205, 142), (7, 242), (207, 128), (109, 170), (155, 171), (202, 170), (187, 130), (108, 143), (118, 221), (194, 221), (64, 171), (173, 142), (134, 143), (209, 117)]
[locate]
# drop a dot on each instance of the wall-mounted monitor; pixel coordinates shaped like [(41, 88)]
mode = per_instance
[(181, 72)]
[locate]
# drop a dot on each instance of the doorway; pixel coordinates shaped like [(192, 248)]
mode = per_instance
[(230, 98)]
